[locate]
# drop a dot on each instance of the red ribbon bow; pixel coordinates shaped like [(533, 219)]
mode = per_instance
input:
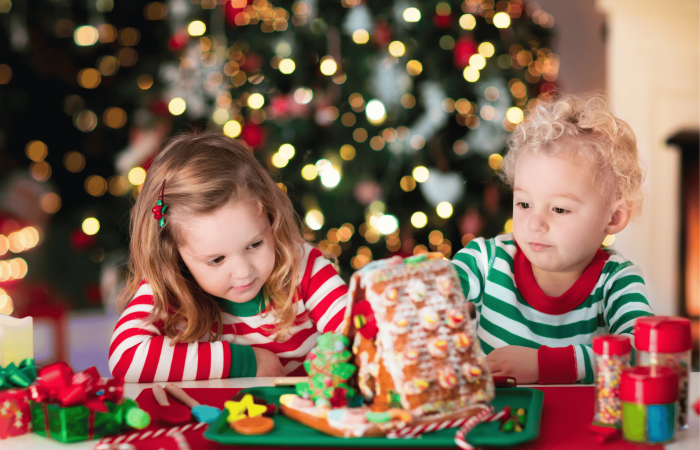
[(158, 212), (57, 383)]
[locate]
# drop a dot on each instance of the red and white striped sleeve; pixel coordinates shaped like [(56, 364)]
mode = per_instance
[(323, 291), (140, 353)]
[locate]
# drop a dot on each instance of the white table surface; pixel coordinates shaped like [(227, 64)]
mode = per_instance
[(685, 440)]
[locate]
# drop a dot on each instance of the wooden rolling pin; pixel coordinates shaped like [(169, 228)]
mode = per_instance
[(289, 381)]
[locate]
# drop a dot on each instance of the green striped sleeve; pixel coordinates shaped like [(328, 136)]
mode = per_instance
[(625, 298), (469, 265), (585, 363)]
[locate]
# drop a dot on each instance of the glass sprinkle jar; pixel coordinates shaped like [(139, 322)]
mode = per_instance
[(649, 396), (667, 342), (612, 356)]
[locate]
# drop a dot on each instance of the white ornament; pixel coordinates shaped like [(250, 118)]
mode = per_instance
[(442, 187), (358, 18)]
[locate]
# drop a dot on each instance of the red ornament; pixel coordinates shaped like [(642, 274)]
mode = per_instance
[(548, 88), (252, 63), (157, 212), (232, 9), (442, 21), (381, 33), (81, 241), (463, 50), (253, 135), (279, 105), (178, 41), (159, 108), (93, 293)]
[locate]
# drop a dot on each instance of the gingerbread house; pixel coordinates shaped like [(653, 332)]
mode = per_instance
[(413, 346)]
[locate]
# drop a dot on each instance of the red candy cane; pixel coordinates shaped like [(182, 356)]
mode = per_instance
[(461, 436), (418, 430), (415, 431), (163, 432)]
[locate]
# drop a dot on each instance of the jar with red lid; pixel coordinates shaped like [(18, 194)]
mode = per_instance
[(649, 396), (612, 355), (666, 342)]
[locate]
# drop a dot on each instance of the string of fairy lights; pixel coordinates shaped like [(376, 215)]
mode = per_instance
[(239, 101)]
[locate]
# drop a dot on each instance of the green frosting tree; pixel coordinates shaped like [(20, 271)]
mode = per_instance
[(328, 370)]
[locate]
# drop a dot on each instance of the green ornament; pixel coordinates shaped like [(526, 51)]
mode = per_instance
[(137, 418), (307, 366)]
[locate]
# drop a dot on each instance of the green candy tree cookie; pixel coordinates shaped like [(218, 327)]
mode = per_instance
[(328, 371)]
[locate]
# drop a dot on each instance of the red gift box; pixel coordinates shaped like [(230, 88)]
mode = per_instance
[(15, 416)]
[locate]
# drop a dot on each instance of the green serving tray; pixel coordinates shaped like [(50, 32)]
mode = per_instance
[(291, 433)]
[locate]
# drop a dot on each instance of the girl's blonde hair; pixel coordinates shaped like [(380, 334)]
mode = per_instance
[(203, 172), (607, 143)]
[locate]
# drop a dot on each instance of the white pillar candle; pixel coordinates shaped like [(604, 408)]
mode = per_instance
[(16, 340)]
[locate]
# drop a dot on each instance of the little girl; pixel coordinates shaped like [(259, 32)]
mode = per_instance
[(222, 283), (544, 291)]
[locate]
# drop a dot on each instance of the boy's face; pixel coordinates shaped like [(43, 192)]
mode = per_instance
[(559, 218), (230, 252)]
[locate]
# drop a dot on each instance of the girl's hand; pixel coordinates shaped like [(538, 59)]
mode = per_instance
[(269, 364), (515, 361)]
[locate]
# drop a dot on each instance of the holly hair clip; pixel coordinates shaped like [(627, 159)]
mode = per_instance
[(159, 209)]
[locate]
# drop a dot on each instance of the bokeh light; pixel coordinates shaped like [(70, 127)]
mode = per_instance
[(411, 14), (196, 28), (419, 219), (421, 174), (501, 20), (232, 128), (36, 151), (314, 219), (137, 176), (397, 49), (328, 66), (89, 78), (360, 36), (91, 226), (256, 101), (177, 106), (85, 35)]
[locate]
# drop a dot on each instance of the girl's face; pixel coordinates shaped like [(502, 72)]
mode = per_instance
[(559, 218), (230, 252)]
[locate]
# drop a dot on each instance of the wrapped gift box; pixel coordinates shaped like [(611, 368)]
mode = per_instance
[(70, 407), (69, 424), (15, 416)]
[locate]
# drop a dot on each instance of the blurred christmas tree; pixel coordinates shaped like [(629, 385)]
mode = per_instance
[(384, 120)]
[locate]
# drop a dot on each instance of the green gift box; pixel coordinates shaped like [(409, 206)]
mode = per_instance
[(79, 423)]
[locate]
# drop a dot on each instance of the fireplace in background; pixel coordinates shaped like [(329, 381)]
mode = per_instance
[(688, 142)]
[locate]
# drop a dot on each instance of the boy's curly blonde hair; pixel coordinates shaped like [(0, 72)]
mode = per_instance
[(607, 143)]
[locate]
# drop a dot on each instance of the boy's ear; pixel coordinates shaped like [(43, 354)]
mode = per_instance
[(622, 213)]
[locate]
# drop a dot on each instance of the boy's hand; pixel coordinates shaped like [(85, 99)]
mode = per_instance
[(515, 361), (268, 363)]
